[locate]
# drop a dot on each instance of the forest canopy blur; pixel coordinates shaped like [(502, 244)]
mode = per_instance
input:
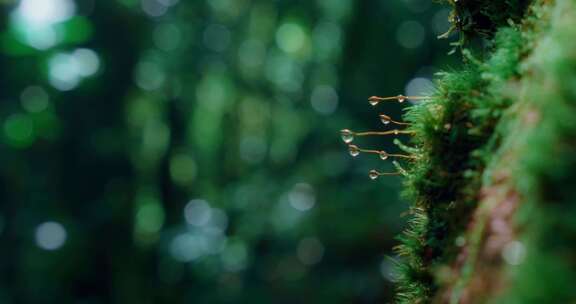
[(165, 151)]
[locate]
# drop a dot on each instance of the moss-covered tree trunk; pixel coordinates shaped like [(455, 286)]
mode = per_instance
[(494, 184)]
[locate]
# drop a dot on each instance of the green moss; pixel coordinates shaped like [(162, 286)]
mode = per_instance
[(481, 19), (510, 108), (451, 131), (545, 171)]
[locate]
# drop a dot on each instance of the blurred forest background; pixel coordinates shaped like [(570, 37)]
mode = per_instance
[(165, 151)]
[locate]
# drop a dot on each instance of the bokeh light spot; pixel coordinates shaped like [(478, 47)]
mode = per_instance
[(39, 13), (153, 8), (34, 20), (88, 62), (19, 130), (327, 40), (66, 70), (187, 247), (302, 197), (387, 270), (419, 86), (64, 74), (234, 257), (197, 212), (182, 169), (218, 220), (34, 99), (410, 34), (168, 3), (324, 99), (285, 72), (252, 53), (291, 37), (149, 75), (167, 37), (50, 235), (149, 218)]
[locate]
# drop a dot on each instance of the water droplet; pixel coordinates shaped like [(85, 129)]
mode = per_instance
[(354, 150), (373, 101), (347, 136), (395, 132), (401, 98), (383, 155), (373, 174), (385, 119)]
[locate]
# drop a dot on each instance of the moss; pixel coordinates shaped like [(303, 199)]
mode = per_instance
[(498, 133), (545, 170), (451, 131), (481, 19)]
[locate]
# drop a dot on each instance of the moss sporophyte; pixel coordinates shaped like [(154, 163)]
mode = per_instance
[(348, 136), (375, 100)]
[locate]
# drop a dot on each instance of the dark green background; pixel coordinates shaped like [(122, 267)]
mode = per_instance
[(207, 101)]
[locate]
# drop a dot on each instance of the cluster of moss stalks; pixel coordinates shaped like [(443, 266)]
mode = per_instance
[(493, 190)]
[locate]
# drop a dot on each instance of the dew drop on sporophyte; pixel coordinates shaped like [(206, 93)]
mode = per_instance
[(354, 150), (347, 136), (395, 132), (383, 155), (373, 174), (373, 101), (401, 98), (385, 119)]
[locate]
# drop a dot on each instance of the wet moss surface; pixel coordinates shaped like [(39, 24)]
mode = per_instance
[(492, 188)]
